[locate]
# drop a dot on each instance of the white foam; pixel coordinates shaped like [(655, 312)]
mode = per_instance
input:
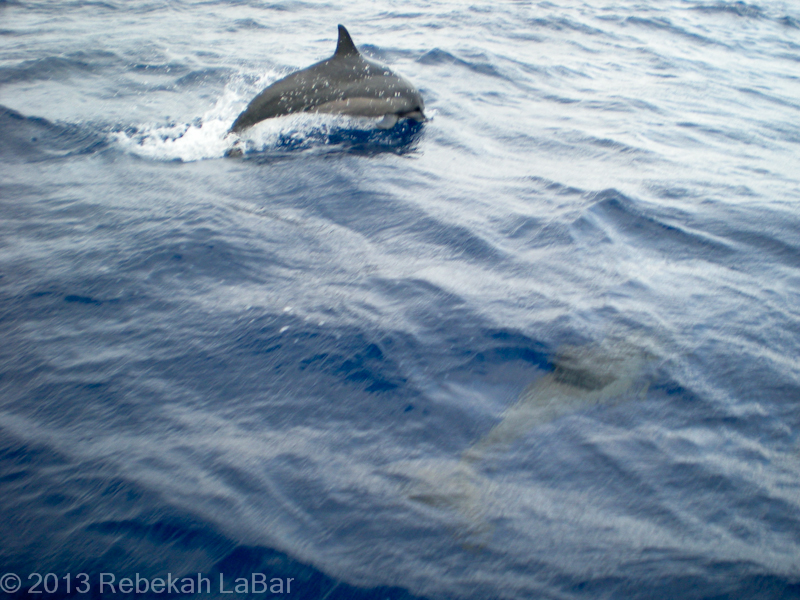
[(202, 138)]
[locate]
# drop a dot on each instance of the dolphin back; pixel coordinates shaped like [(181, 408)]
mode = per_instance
[(346, 83)]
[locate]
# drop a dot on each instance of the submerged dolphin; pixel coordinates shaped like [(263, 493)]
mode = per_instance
[(345, 84), (582, 376)]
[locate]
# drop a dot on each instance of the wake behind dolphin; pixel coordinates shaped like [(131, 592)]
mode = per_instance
[(345, 84)]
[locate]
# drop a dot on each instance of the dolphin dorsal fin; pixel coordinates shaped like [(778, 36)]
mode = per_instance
[(345, 45)]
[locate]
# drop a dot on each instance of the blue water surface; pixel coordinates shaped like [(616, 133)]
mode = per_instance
[(543, 345)]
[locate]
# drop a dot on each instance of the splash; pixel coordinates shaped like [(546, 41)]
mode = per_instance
[(202, 138)]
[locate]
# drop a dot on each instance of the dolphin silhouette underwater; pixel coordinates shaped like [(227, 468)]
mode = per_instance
[(606, 373), (345, 84)]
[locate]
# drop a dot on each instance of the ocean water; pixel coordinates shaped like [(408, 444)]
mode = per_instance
[(543, 345)]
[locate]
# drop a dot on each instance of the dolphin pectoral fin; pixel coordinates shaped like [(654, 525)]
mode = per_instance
[(388, 121), (417, 115)]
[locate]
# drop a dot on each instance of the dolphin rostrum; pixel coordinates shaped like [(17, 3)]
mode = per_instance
[(345, 84)]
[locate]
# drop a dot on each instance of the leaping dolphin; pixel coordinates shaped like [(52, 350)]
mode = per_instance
[(345, 84)]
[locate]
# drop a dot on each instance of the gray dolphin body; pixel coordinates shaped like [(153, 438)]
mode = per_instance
[(345, 84)]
